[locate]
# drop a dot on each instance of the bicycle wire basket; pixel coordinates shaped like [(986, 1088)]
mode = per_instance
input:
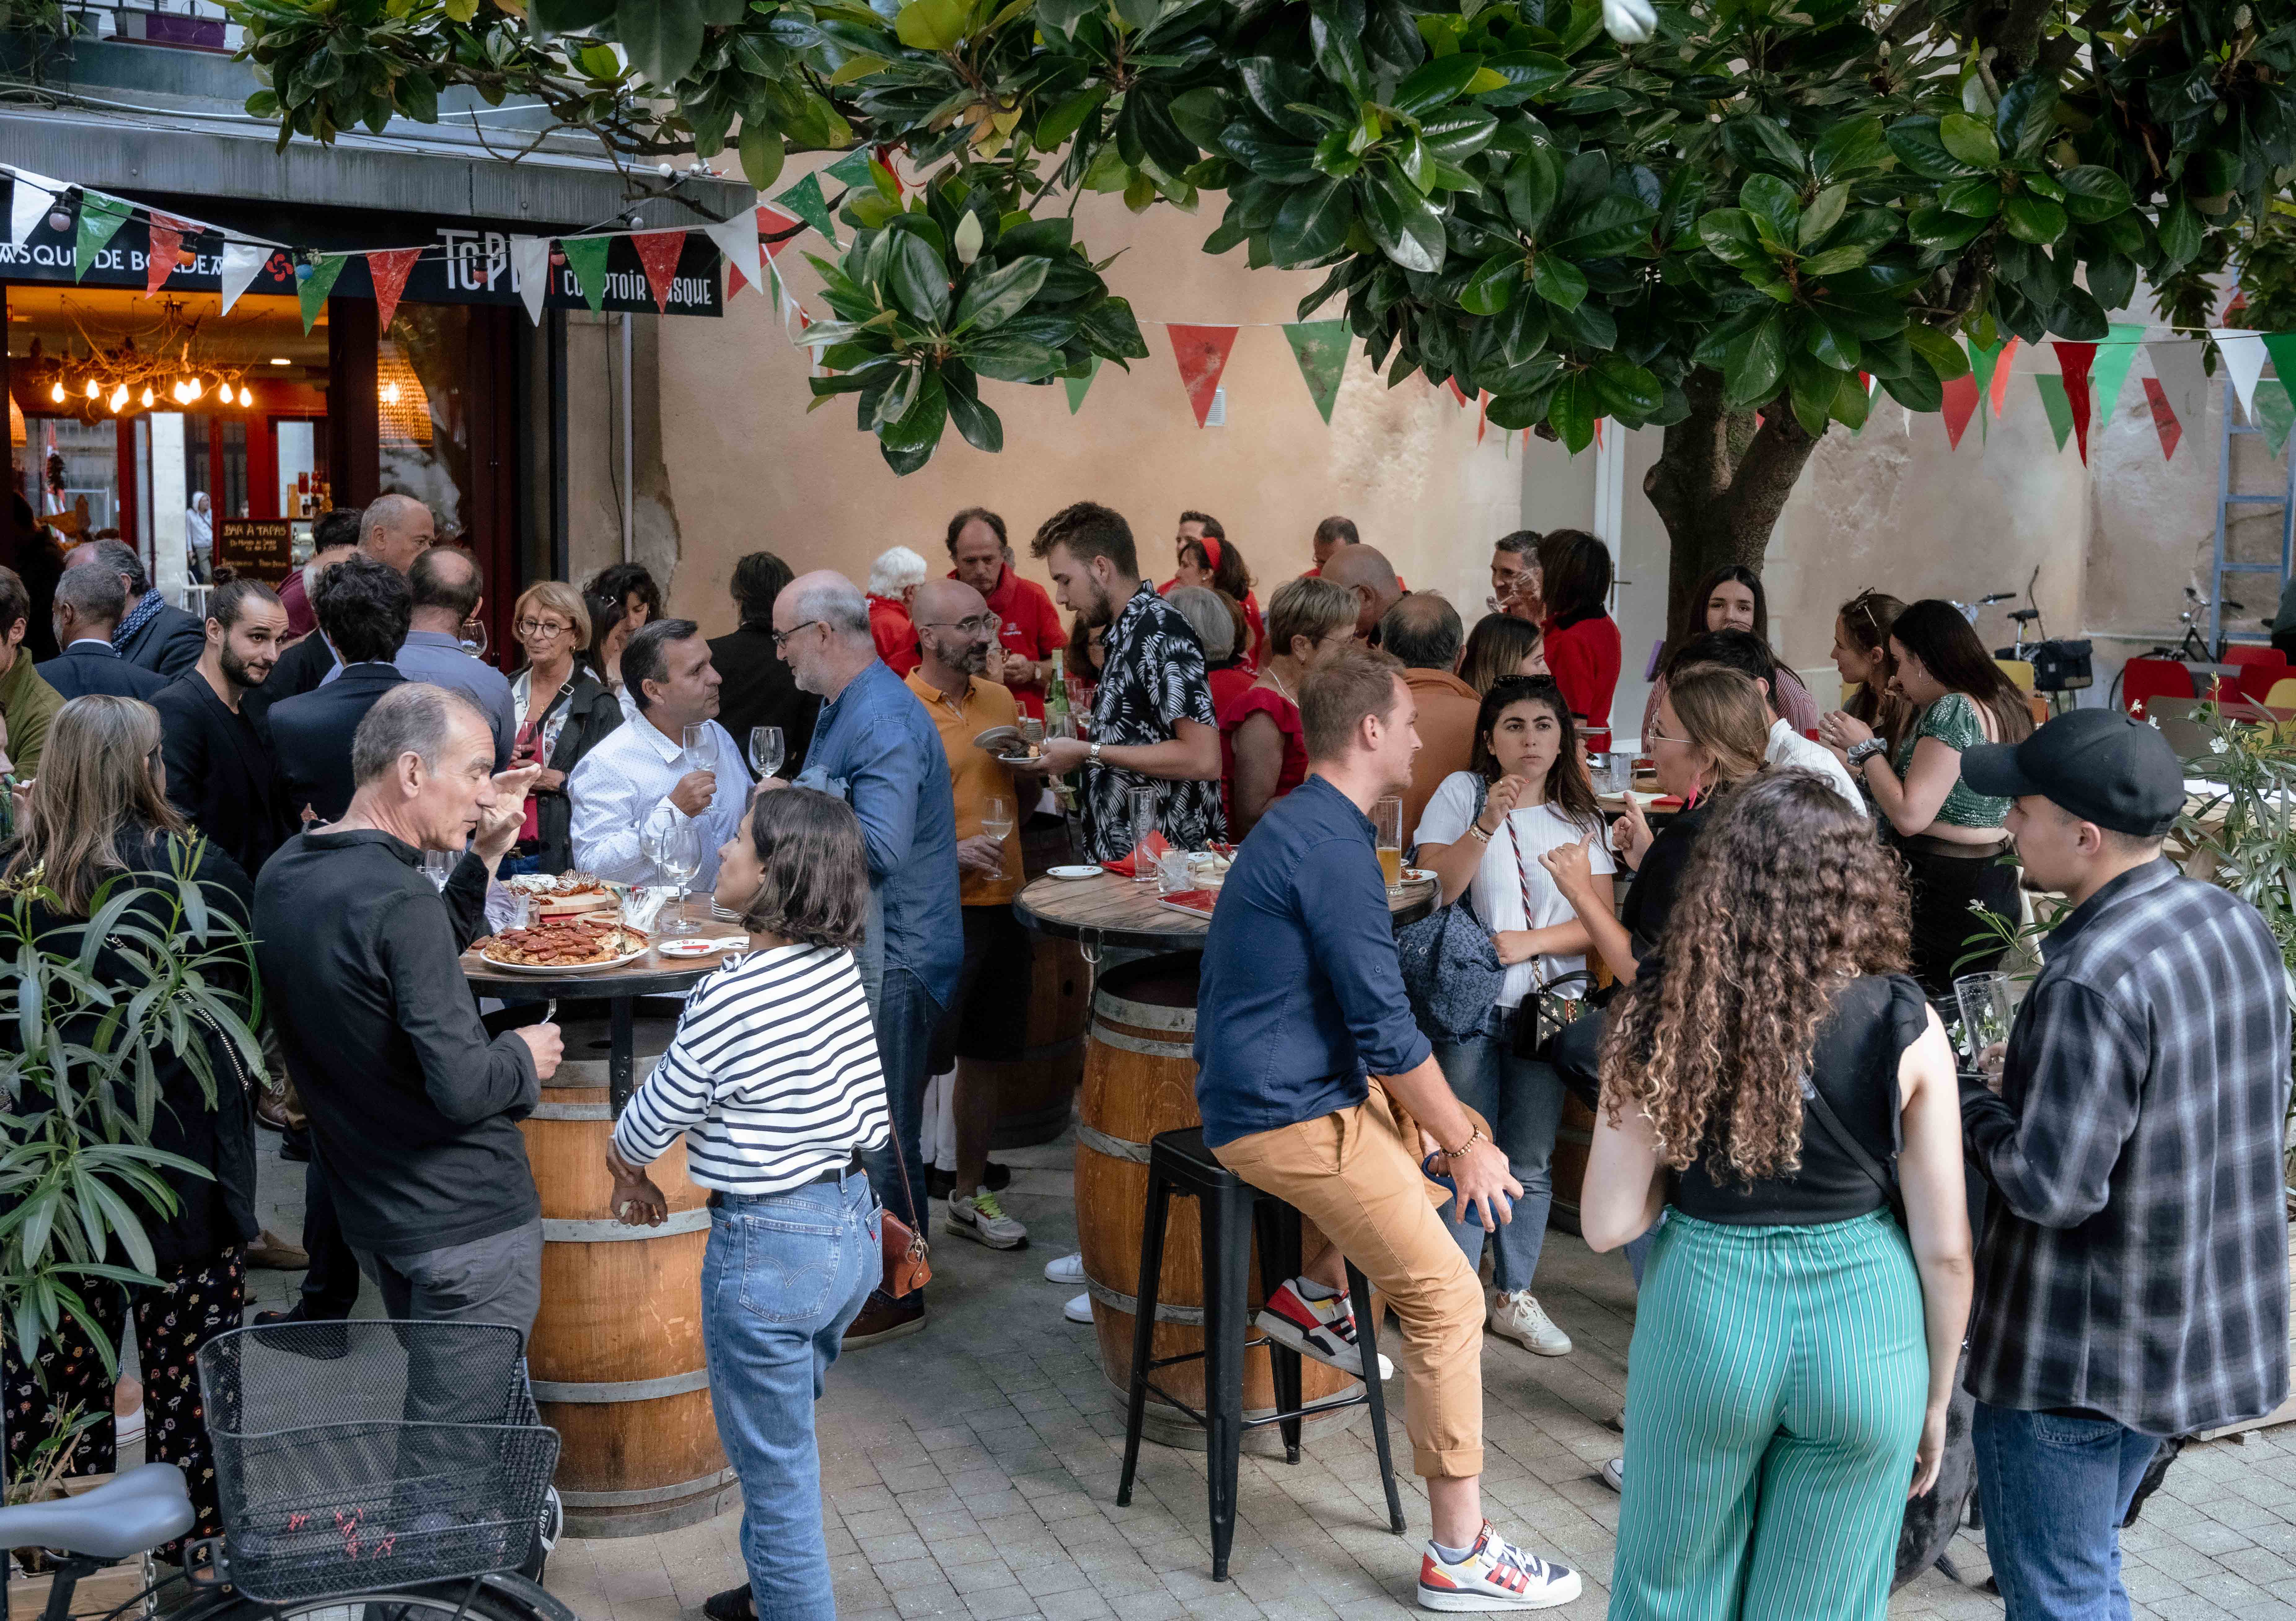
[(357, 1456)]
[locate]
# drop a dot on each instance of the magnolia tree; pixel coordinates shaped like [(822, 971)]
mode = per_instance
[(1712, 223)]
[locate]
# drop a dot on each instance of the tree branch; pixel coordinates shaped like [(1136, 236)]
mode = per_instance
[(1765, 478)]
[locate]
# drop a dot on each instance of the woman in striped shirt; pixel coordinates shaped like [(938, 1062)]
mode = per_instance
[(773, 1077)]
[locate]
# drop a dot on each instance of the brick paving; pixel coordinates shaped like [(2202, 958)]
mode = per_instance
[(970, 1472)]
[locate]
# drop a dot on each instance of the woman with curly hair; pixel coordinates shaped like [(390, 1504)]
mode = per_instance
[(1794, 1345)]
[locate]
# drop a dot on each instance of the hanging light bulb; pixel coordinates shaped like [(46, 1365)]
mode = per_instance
[(92, 391), (57, 393), (120, 399), (224, 393), (192, 389), (390, 394), (147, 396)]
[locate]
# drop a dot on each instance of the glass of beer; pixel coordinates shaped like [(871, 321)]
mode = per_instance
[(1387, 827)]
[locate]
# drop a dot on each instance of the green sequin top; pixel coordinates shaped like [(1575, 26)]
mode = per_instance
[(1953, 720)]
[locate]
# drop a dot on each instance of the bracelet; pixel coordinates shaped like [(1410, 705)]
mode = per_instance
[(1460, 1152), (1475, 831)]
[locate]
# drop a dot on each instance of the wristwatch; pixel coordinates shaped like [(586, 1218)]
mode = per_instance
[(1093, 753), (1858, 754)]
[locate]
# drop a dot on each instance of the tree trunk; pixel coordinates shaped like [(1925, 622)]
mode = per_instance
[(1718, 486)]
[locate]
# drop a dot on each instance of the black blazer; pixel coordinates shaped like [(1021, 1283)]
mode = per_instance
[(167, 644), (312, 732), (300, 669), (592, 711), (89, 667), (757, 690), (222, 772)]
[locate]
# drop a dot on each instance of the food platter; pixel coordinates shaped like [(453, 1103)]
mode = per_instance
[(557, 947), (567, 894)]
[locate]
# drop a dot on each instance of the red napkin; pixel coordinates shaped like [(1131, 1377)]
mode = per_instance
[(1153, 848)]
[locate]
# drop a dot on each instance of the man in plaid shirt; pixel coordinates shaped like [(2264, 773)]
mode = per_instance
[(2133, 1275)]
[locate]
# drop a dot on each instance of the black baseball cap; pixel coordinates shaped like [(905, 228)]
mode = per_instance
[(2100, 765)]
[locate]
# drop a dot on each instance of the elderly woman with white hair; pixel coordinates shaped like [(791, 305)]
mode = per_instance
[(893, 581)]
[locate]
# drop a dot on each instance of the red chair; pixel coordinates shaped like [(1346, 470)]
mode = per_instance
[(2143, 679), (2249, 653), (2257, 679)]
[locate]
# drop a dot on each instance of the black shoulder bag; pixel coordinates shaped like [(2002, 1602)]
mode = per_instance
[(1546, 1013), (1821, 1113)]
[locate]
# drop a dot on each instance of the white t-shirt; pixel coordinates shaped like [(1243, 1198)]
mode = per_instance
[(1789, 747), (1512, 854)]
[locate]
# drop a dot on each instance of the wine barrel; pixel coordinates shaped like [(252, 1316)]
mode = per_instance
[(1140, 1079), (616, 1356), (1036, 1093)]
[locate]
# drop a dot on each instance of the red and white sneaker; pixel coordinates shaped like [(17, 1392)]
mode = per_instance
[(1496, 1575), (1324, 1329)]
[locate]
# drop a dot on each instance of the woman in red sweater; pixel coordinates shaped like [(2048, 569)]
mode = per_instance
[(1582, 639)]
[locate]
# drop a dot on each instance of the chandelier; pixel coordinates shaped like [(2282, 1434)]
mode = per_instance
[(142, 369)]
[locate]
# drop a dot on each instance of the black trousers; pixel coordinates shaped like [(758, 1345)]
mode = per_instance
[(331, 1286), (1948, 939)]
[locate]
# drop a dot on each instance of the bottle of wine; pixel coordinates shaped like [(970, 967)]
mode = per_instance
[(1058, 721)]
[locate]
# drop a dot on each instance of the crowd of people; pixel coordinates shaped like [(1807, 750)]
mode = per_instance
[(1783, 1130)]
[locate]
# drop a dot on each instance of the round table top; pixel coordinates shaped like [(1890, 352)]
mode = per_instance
[(1107, 910), (650, 975)]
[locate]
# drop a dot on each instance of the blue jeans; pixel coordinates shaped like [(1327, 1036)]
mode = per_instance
[(784, 1276), (1523, 1100), (907, 1015), (2055, 1489)]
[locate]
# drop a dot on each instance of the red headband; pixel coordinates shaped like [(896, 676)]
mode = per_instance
[(1210, 544)]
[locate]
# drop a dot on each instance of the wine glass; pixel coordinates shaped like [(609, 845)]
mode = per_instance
[(438, 866), (474, 638), (996, 817), (699, 754), (766, 751), (678, 857)]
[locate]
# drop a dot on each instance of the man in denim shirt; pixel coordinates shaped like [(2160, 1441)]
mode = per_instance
[(875, 747)]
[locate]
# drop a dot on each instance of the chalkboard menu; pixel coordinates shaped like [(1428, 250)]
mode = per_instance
[(256, 548)]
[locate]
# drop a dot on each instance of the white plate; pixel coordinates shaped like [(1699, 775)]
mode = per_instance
[(1419, 875), (1073, 872), (541, 970), (698, 948)]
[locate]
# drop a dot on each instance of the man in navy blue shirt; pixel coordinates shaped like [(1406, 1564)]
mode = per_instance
[(1303, 1036)]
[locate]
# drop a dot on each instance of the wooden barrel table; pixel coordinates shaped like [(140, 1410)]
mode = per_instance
[(1140, 1079), (1036, 1093)]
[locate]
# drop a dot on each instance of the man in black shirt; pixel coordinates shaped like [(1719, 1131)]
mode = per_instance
[(364, 609), (416, 1110), (221, 772), (756, 688)]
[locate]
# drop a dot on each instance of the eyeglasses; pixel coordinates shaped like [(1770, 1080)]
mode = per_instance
[(1661, 737), (541, 628), (980, 624), (780, 637)]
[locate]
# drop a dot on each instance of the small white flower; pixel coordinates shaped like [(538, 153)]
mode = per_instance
[(2216, 745), (1630, 23), (2153, 721)]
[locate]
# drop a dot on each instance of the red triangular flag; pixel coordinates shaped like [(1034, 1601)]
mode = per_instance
[(2001, 371), (734, 280), (389, 269), (2073, 359), (1960, 405), (2164, 419), (159, 256), (658, 252), (1482, 413), (773, 223), (1202, 354), (1458, 393)]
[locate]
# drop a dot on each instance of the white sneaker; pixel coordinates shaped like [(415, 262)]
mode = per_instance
[(1078, 1310), (1496, 1575), (1614, 1474), (1068, 1269), (983, 1219), (1520, 1318)]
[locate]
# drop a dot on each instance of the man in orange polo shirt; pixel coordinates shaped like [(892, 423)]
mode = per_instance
[(986, 1022), (1426, 632), (1028, 627)]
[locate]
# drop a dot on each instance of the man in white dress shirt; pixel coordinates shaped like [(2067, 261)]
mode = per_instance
[(641, 771), (1750, 655)]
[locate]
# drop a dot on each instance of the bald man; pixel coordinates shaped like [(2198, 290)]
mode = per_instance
[(396, 529), (449, 588), (1365, 571)]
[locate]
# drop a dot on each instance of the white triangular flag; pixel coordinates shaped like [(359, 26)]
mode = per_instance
[(2245, 356), (737, 239), (241, 263), (2181, 363), (28, 198), (529, 270)]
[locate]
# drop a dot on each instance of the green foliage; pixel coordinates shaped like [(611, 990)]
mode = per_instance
[(1783, 194)]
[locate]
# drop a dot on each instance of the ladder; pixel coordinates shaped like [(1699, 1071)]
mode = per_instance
[(2229, 498)]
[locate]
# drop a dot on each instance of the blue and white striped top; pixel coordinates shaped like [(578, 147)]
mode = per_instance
[(772, 1075)]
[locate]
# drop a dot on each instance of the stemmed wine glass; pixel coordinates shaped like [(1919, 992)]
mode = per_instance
[(438, 866), (675, 849), (699, 754), (766, 751), (997, 821), (474, 638)]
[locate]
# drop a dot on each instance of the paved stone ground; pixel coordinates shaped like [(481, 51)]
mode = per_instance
[(970, 1472)]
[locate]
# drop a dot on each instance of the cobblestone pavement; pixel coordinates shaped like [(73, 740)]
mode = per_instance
[(970, 1472)]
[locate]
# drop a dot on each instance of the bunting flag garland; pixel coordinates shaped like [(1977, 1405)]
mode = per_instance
[(658, 252), (1999, 388), (2182, 369), (737, 244), (2113, 356), (1078, 386), (163, 252), (773, 223), (1458, 393), (585, 256), (389, 269), (851, 169), (1986, 362), (242, 262), (2245, 355), (30, 196), (100, 219), (529, 270), (2281, 348), (2275, 413), (1320, 347), (1202, 352), (2073, 362), (1961, 398), (2164, 419), (2056, 403), (805, 201), (311, 291)]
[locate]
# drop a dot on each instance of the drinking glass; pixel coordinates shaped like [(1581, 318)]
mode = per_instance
[(699, 754), (438, 866), (473, 638), (765, 750), (1988, 1009), (1032, 731), (1387, 827), (1172, 873), (1143, 823), (1059, 725), (678, 858), (996, 817)]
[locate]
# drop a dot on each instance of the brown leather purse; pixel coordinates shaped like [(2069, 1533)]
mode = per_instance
[(908, 1258)]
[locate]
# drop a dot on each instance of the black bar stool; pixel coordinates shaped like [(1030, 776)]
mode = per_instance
[(1232, 1212)]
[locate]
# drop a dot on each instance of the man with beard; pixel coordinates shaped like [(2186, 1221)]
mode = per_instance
[(986, 1022), (221, 771), (1152, 724), (1028, 629)]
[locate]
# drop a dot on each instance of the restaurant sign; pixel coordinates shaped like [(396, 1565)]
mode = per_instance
[(256, 548)]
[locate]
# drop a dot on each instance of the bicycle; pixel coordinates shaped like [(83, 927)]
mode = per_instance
[(413, 1482), (2061, 668)]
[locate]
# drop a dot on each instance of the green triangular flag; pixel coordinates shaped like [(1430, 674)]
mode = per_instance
[(311, 291), (805, 201), (2053, 402), (2281, 348), (100, 219), (1078, 386), (852, 168), (586, 256), (2275, 413), (1982, 358), (1321, 349), (2110, 370)]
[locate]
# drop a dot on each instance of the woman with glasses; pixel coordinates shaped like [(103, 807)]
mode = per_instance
[(563, 712), (1263, 749)]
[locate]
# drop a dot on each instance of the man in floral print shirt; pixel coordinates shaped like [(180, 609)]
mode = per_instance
[(1151, 719)]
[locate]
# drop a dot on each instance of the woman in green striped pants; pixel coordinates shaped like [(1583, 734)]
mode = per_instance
[(1794, 1344)]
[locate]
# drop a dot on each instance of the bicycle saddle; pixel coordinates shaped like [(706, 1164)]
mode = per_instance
[(130, 1515)]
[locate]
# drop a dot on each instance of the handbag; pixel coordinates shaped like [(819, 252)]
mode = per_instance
[(908, 1258), (1828, 1121), (1547, 1013), (1451, 971)]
